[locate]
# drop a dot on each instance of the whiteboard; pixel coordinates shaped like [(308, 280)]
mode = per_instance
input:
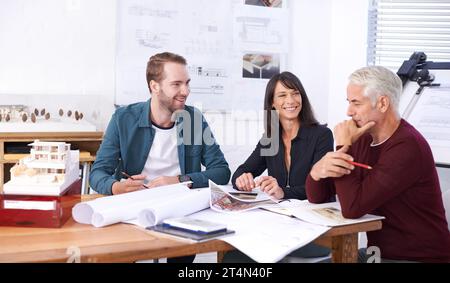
[(232, 48), (429, 113)]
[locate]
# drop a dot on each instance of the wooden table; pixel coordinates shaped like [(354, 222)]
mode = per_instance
[(76, 242)]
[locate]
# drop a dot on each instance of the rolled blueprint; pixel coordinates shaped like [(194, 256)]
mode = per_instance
[(119, 208), (177, 207)]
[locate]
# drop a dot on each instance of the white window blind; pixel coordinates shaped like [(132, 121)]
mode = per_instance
[(397, 28)]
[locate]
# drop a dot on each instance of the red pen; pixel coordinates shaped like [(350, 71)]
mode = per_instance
[(359, 164)]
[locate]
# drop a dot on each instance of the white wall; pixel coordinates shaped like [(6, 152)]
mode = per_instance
[(327, 45), (68, 48), (310, 50), (348, 52)]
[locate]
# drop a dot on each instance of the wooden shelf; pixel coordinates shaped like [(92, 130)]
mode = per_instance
[(85, 156)]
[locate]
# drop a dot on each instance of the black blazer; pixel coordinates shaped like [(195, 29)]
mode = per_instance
[(308, 147)]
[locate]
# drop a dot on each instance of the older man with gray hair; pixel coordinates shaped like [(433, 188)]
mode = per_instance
[(402, 184)]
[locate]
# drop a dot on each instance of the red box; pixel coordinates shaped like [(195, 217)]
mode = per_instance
[(39, 211)]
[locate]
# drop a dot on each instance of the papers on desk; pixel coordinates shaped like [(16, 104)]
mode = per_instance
[(264, 236), (326, 214), (277, 237), (146, 207)]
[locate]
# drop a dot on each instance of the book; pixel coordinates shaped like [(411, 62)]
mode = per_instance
[(188, 234), (195, 225)]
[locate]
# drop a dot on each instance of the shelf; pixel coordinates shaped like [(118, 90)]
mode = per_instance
[(85, 156)]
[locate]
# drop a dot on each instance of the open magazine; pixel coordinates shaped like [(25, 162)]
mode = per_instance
[(326, 214), (223, 200)]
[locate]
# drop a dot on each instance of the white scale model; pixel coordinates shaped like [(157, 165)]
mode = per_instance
[(49, 169)]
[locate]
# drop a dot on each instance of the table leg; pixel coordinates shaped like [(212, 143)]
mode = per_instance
[(220, 256), (345, 248)]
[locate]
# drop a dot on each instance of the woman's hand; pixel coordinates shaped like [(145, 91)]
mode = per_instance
[(245, 182), (270, 186)]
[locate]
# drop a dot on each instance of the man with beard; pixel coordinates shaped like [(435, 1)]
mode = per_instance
[(161, 141)]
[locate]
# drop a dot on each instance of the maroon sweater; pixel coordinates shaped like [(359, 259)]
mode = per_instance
[(403, 186)]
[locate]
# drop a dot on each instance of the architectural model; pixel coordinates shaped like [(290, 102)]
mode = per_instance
[(50, 168)]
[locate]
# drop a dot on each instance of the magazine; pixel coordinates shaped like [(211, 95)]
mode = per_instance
[(224, 201), (326, 214)]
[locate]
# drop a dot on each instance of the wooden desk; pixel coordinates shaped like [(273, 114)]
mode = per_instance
[(87, 142), (128, 243)]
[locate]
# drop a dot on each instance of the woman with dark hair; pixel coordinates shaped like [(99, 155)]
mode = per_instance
[(299, 142), (297, 135)]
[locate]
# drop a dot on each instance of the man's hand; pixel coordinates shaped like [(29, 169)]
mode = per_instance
[(245, 182), (162, 181), (270, 186), (347, 132), (333, 164), (135, 183)]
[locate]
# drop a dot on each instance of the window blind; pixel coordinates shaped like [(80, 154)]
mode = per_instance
[(397, 28)]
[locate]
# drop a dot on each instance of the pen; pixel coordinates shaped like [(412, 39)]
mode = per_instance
[(243, 193), (359, 164), (128, 176)]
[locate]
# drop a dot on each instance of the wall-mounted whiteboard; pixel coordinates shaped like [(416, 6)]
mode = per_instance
[(232, 48)]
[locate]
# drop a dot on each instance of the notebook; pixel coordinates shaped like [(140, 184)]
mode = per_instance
[(188, 234)]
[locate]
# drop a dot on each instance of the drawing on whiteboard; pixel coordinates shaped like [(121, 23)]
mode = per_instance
[(256, 30), (265, 3), (203, 46), (212, 39), (201, 71), (207, 80), (151, 39), (144, 11), (260, 66)]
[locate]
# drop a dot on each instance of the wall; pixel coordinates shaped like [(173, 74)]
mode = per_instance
[(54, 48), (310, 50), (327, 45), (347, 53), (40, 39)]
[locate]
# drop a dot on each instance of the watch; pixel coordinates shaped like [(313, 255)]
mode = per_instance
[(185, 178)]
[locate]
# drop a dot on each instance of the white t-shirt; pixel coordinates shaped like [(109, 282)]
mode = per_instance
[(162, 159)]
